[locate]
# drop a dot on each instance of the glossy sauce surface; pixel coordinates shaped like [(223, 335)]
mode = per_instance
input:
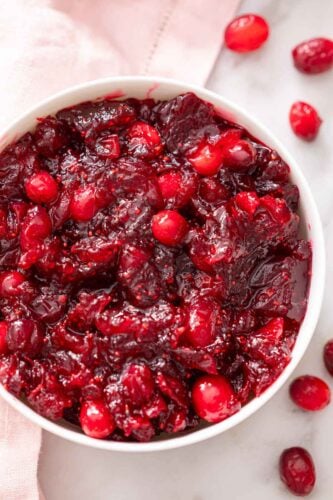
[(146, 246)]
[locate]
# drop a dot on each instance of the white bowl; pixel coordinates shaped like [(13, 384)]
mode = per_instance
[(160, 88)]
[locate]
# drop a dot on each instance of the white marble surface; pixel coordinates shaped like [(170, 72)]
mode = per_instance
[(240, 464)]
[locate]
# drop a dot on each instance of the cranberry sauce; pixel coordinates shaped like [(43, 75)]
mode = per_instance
[(152, 272)]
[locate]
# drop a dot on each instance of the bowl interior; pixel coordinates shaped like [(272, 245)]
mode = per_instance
[(141, 87)]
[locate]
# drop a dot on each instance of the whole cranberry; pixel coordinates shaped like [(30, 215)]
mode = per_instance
[(310, 393), (246, 33), (206, 159), (36, 226), (202, 319), (213, 398), (212, 190), (304, 120), (297, 471), (96, 420), (25, 335), (176, 189), (328, 356), (247, 201), (10, 282), (41, 187), (86, 202), (3, 337), (314, 56), (239, 156), (144, 140), (169, 227), (138, 383)]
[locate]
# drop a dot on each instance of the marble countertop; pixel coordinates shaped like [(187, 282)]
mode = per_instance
[(242, 463)]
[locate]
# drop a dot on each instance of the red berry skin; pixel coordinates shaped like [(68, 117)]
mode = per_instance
[(313, 56), (202, 319), (304, 120), (96, 420), (3, 337), (246, 33), (41, 187), (206, 159), (310, 393), (213, 398), (239, 156), (10, 282), (169, 227), (328, 356), (297, 471)]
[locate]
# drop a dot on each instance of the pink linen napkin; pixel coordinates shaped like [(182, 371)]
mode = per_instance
[(47, 45)]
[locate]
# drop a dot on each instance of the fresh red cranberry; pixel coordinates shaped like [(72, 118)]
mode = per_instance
[(203, 315), (169, 227), (86, 202), (41, 188), (206, 159), (328, 356), (36, 227), (10, 283), (239, 156), (297, 471), (108, 146), (314, 56), (213, 398), (138, 383), (144, 140), (3, 337), (304, 120), (310, 393), (246, 33), (96, 420)]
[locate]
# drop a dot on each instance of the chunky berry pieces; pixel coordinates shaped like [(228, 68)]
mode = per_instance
[(162, 282), (96, 420), (304, 120), (169, 227), (41, 188), (246, 33), (213, 398), (314, 56), (297, 471), (310, 393), (328, 356)]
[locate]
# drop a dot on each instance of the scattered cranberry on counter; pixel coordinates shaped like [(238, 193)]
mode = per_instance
[(314, 56), (297, 470), (328, 356), (310, 393), (246, 33), (304, 120)]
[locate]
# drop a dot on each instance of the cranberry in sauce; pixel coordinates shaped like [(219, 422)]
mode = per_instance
[(152, 269)]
